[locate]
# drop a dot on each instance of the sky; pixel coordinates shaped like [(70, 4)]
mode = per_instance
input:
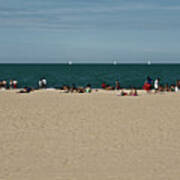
[(89, 31)]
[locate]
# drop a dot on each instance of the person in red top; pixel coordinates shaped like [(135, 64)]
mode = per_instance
[(148, 84), (103, 85)]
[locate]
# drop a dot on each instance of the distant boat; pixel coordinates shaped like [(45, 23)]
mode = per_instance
[(114, 62), (69, 62), (149, 63)]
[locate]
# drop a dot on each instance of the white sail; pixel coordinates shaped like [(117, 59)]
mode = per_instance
[(149, 62), (114, 62), (69, 62)]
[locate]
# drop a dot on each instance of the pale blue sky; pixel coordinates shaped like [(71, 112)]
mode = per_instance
[(45, 31)]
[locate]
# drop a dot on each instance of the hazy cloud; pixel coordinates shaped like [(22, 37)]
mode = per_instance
[(90, 15)]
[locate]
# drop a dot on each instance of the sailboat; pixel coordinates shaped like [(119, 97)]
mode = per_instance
[(149, 62), (70, 62), (114, 62)]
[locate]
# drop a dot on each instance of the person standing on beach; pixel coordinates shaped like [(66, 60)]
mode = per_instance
[(42, 83), (11, 84), (148, 84), (149, 81), (117, 85), (103, 85), (156, 85), (15, 82)]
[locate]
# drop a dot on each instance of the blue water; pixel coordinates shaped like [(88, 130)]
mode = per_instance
[(82, 74)]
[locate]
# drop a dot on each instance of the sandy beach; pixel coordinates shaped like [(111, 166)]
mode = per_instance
[(48, 135)]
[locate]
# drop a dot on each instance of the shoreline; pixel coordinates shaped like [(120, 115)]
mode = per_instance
[(94, 91)]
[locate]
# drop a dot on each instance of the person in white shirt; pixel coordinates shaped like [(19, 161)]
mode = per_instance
[(42, 83), (15, 82), (156, 84), (177, 88)]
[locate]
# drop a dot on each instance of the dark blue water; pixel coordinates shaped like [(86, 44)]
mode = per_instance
[(82, 74)]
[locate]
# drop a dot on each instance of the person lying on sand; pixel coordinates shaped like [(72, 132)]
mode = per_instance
[(65, 88), (108, 87), (123, 93), (26, 90), (133, 92)]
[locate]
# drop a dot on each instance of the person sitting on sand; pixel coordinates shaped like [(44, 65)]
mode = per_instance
[(74, 88), (133, 92), (88, 88), (80, 90), (66, 88), (161, 88), (172, 88), (4, 84)]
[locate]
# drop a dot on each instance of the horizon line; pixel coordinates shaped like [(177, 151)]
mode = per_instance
[(90, 63)]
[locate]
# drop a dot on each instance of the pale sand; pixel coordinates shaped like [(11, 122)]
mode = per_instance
[(48, 135)]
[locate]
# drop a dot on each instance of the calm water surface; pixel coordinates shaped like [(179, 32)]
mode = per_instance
[(82, 74)]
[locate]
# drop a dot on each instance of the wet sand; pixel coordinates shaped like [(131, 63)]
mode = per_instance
[(48, 135)]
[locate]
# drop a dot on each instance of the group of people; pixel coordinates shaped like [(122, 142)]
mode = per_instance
[(12, 84), (42, 84), (132, 92), (158, 87), (149, 85), (73, 88), (108, 87)]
